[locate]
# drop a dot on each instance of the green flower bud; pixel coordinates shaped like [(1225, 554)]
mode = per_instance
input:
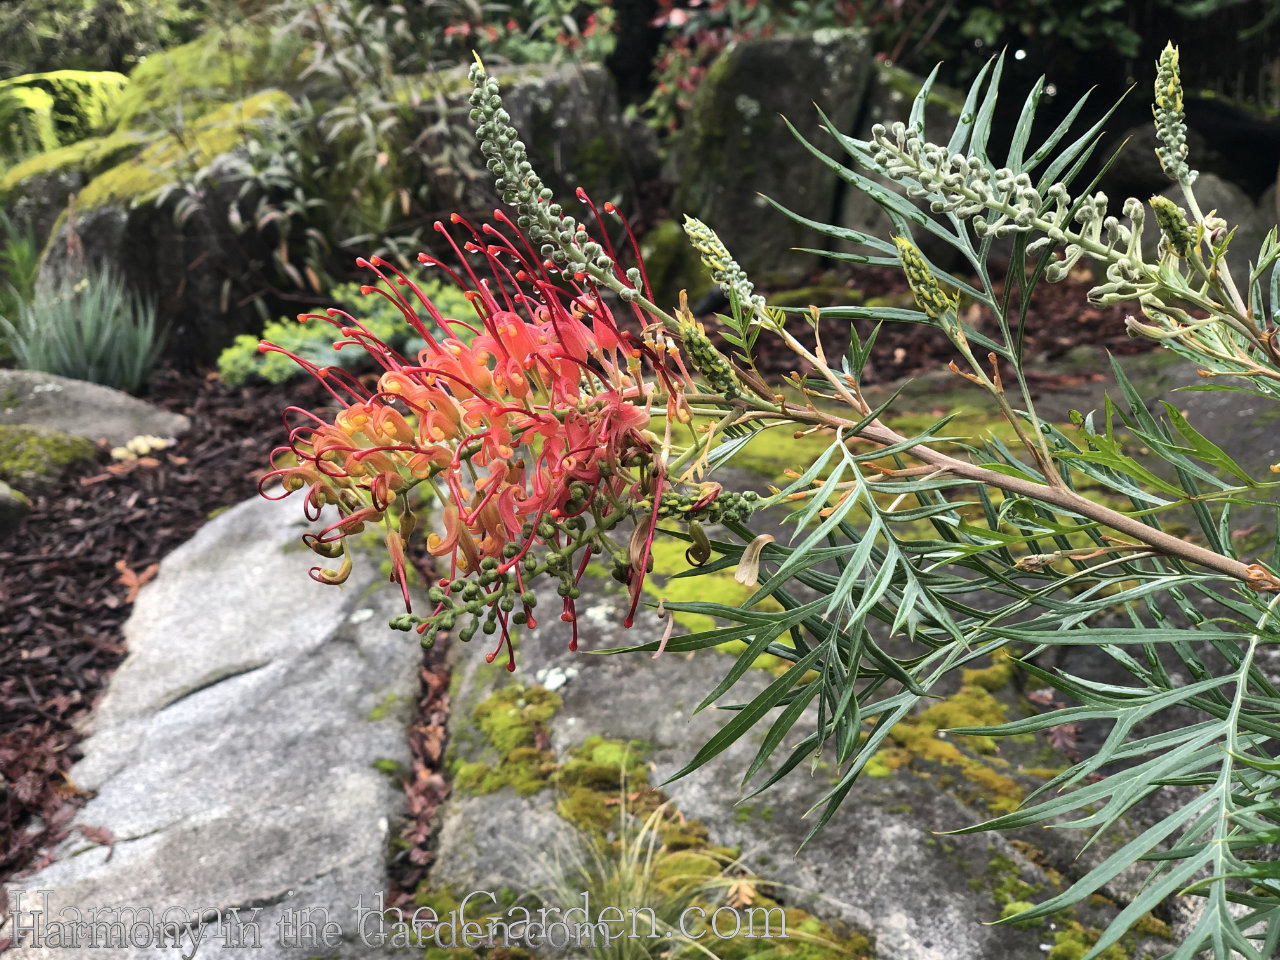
[(1171, 127), (724, 269), (1177, 233), (924, 286)]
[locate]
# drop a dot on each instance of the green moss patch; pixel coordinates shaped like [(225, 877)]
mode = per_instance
[(920, 741), (31, 457), (46, 110), (604, 792), (90, 157), (595, 779), (218, 66), (1076, 940), (513, 721), (26, 122)]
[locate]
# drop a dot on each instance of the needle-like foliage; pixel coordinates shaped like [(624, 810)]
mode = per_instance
[(1020, 560)]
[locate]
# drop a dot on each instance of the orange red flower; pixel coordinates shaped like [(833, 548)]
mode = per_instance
[(529, 421)]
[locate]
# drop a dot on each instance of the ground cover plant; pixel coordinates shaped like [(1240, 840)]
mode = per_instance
[(556, 435)]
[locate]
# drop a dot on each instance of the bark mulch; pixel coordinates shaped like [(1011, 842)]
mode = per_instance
[(72, 570), (75, 565)]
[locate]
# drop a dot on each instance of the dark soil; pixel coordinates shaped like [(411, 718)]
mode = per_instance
[(75, 564)]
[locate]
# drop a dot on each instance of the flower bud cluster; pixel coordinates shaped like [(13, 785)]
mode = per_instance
[(727, 506), (706, 359), (724, 269), (709, 505), (1174, 230), (924, 286), (1171, 127), (966, 187), (557, 236), (956, 183)]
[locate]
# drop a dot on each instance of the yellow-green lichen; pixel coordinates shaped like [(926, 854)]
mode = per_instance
[(389, 765), (28, 126), (511, 717), (1149, 925), (595, 777), (1075, 940), (1015, 907), (30, 457), (388, 705), (1004, 877), (808, 937), (995, 677), (58, 107)]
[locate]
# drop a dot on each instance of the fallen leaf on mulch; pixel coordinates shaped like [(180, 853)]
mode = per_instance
[(135, 581)]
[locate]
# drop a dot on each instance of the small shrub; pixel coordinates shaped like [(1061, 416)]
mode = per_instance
[(91, 330), (314, 340)]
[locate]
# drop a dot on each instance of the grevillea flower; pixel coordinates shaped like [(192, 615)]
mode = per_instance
[(529, 421)]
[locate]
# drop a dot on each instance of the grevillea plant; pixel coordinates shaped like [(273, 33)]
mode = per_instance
[(536, 436)]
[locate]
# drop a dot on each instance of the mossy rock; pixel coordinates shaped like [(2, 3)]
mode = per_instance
[(735, 146), (217, 132), (89, 157), (56, 108), (26, 122), (217, 67), (37, 190), (121, 223), (14, 505), (30, 458)]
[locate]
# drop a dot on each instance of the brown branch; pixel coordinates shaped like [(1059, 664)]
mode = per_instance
[(1254, 575)]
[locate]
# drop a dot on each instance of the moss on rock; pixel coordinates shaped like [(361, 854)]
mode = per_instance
[(218, 66), (921, 740), (513, 721), (26, 122), (30, 457), (89, 157), (57, 108), (592, 781), (604, 793), (217, 132), (1076, 940)]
